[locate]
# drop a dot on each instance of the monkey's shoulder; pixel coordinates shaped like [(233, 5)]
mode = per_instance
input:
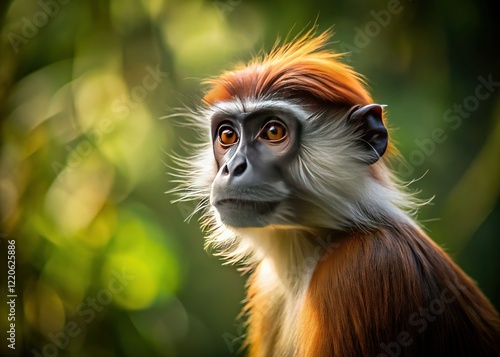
[(394, 290)]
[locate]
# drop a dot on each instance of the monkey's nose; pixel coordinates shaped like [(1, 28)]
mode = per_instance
[(235, 168)]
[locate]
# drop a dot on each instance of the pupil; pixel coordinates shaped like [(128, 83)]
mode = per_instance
[(273, 130)]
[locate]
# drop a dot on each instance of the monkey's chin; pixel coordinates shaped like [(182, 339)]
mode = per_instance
[(242, 213)]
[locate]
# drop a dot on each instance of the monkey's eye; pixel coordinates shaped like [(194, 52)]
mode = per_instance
[(274, 131), (227, 135)]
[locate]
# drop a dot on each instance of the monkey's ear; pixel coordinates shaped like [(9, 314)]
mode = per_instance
[(374, 135)]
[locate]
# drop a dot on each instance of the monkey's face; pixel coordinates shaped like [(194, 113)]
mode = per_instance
[(278, 164), (253, 151)]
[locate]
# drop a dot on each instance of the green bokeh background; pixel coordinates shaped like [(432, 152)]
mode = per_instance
[(85, 155)]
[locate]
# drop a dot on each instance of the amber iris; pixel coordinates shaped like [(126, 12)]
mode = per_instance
[(227, 136), (274, 131)]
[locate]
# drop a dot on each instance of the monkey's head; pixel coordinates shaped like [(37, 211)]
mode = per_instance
[(294, 140)]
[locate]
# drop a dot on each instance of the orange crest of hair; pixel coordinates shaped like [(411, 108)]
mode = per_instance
[(301, 69)]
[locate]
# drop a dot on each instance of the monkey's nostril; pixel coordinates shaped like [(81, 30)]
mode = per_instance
[(240, 169), (225, 170)]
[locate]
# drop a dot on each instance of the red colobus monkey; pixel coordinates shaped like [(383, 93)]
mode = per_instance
[(295, 187)]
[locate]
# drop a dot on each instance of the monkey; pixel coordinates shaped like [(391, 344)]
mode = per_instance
[(293, 178)]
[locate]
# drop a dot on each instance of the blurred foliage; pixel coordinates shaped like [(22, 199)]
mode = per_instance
[(105, 264)]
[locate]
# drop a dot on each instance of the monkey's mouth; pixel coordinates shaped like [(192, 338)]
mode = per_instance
[(260, 207)]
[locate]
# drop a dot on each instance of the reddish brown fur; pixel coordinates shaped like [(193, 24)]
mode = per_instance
[(299, 70), (370, 290), (365, 293)]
